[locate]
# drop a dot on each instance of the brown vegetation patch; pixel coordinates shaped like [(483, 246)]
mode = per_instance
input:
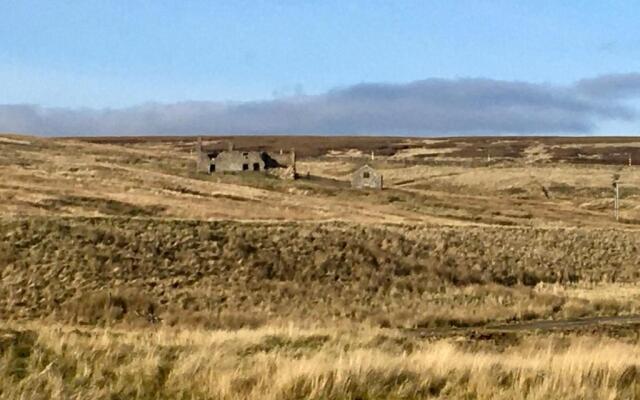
[(585, 154), (101, 205), (207, 272)]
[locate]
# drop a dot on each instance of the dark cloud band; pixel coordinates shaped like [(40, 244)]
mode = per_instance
[(427, 107)]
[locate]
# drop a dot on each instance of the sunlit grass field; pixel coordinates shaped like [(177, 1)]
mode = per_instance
[(124, 274), (58, 362)]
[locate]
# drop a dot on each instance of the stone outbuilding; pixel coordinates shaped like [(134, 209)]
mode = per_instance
[(366, 177)]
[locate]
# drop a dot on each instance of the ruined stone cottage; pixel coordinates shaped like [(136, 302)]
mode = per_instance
[(366, 177), (231, 160)]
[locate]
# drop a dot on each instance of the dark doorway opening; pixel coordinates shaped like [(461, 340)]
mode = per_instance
[(212, 168), (245, 167), (256, 166)]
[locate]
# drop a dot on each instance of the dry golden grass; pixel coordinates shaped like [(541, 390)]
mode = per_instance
[(57, 362), (160, 177), (314, 290), (228, 274)]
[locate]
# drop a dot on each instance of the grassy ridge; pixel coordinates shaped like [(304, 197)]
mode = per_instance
[(231, 274)]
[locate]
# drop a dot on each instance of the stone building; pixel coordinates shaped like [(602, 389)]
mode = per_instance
[(366, 177), (238, 161), (231, 160)]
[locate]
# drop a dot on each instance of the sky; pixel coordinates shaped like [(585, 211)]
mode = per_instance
[(431, 68)]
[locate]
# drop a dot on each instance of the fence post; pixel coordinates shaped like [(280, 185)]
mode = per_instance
[(616, 204)]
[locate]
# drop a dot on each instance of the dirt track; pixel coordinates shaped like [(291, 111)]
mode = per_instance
[(568, 324), (577, 324)]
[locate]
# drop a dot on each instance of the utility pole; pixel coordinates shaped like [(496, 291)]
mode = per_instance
[(616, 203), (629, 159)]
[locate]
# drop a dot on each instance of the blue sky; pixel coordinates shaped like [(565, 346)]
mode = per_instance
[(125, 55)]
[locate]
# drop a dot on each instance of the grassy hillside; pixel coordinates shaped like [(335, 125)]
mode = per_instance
[(487, 268), (433, 182), (231, 274)]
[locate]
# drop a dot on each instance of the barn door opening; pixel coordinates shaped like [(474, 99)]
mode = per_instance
[(256, 166)]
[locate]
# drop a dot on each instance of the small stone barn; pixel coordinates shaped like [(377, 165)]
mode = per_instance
[(366, 177)]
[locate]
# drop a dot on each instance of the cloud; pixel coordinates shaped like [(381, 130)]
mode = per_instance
[(426, 107), (611, 86)]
